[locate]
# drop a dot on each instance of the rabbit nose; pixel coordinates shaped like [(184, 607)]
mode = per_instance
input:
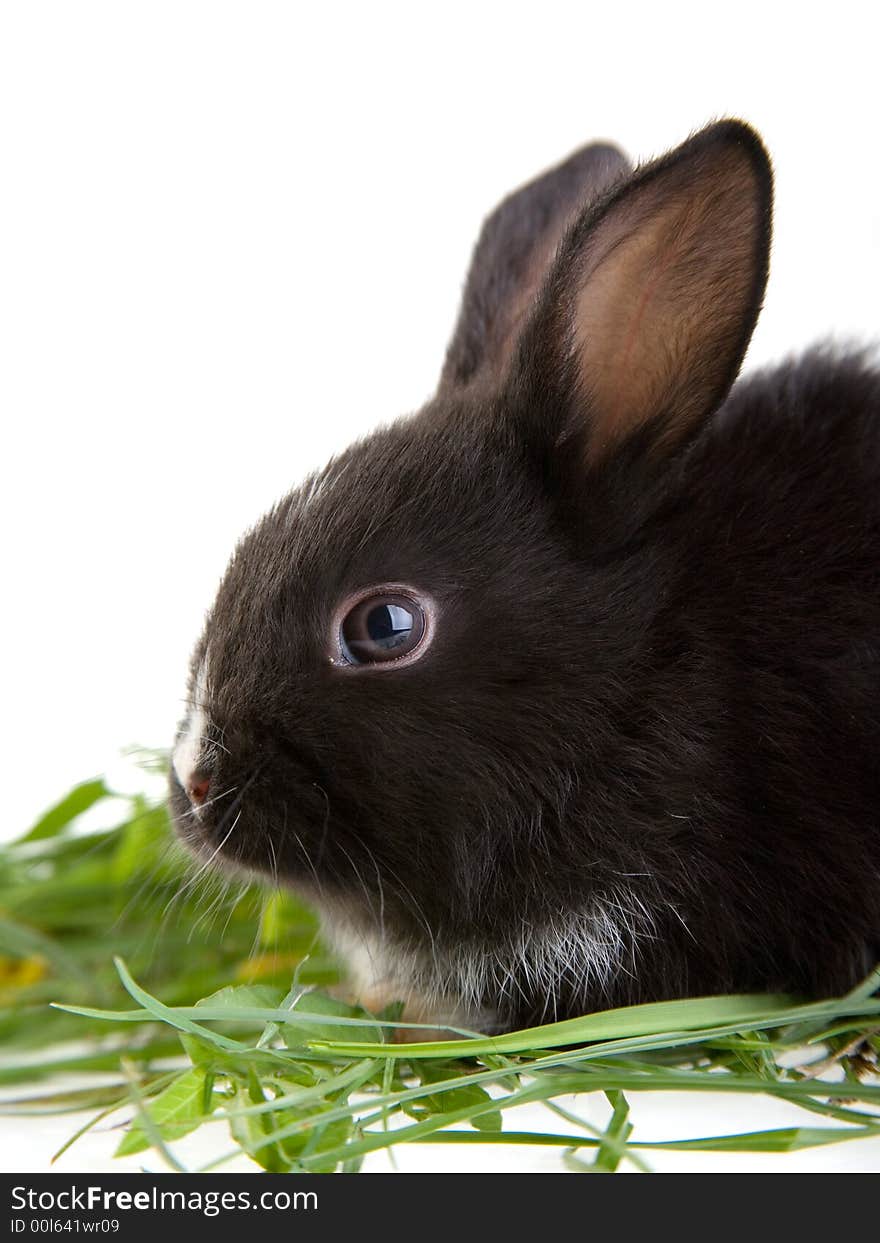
[(198, 788)]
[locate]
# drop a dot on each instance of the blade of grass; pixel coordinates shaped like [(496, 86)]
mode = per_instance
[(167, 1015), (716, 1015), (145, 1120), (57, 818)]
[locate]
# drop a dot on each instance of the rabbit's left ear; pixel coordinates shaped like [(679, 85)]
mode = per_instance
[(512, 257), (645, 317)]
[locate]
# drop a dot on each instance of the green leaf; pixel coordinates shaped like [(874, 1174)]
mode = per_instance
[(57, 818), (142, 848), (243, 997), (299, 1033), (176, 1111), (326, 1139), (249, 1130), (200, 1053), (468, 1096), (279, 1154)]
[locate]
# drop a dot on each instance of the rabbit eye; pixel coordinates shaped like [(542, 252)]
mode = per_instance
[(382, 628)]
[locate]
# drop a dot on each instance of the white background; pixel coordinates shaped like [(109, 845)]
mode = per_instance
[(232, 237)]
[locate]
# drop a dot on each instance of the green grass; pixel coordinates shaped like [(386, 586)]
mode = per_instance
[(206, 1004)]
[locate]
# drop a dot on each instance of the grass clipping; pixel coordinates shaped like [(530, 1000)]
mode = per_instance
[(226, 985)]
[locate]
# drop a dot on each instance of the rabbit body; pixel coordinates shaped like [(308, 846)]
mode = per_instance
[(633, 754)]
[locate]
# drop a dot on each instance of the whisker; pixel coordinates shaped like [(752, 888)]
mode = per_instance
[(204, 918), (372, 858), (194, 811), (357, 873), (233, 906), (150, 884), (416, 910), (326, 825), (211, 857), (307, 857), (212, 742), (201, 870), (271, 846)]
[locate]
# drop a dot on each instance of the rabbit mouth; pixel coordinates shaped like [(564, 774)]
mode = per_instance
[(207, 829), (262, 831)]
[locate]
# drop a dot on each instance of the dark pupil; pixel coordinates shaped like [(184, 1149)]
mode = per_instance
[(382, 628), (389, 625)]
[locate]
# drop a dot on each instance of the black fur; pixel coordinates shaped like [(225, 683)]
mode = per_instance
[(653, 690)]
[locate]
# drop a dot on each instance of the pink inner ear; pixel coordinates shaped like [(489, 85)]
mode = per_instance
[(669, 280)]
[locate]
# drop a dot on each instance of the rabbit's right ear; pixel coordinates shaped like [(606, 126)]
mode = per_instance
[(512, 256), (643, 322)]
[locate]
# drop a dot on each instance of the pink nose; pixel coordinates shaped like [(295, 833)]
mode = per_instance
[(197, 788)]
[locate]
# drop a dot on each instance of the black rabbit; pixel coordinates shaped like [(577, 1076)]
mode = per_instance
[(563, 693)]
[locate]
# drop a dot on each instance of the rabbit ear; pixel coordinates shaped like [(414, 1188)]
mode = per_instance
[(645, 318), (511, 258)]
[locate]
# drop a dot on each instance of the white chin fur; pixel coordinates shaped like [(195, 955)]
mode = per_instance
[(579, 952)]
